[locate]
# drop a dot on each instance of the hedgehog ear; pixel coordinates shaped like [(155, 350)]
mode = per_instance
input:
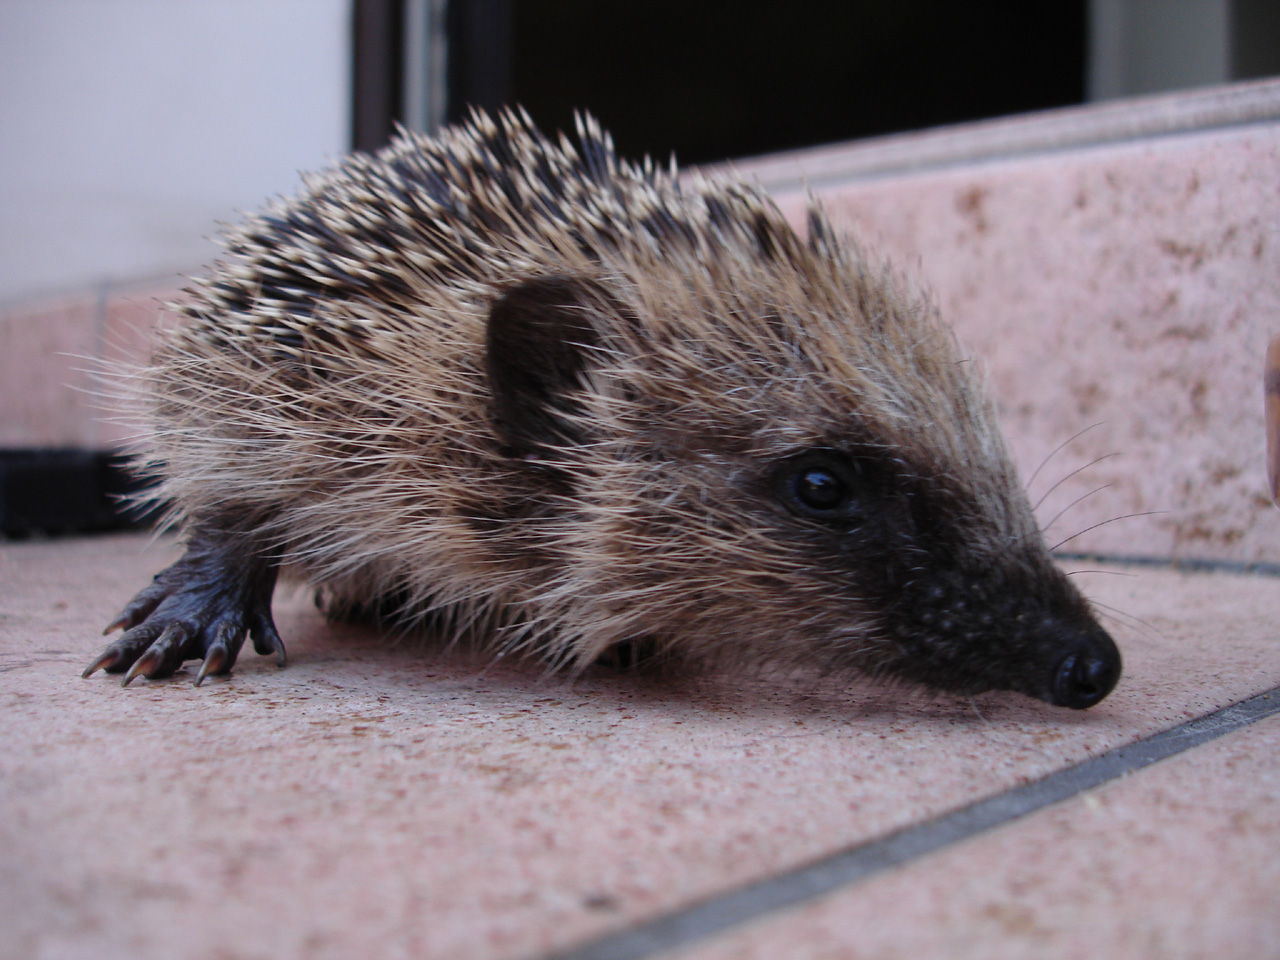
[(537, 343)]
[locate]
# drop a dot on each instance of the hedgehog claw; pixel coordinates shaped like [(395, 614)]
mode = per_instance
[(214, 661), (266, 639), (105, 660), (145, 666), (137, 610), (201, 607)]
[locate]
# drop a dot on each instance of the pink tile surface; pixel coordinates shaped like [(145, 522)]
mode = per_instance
[(1178, 861), (54, 388), (44, 390), (387, 800), (1128, 288), (382, 799)]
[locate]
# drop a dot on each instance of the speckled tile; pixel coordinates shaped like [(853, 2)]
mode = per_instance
[(389, 800), (44, 389), (1178, 861), (1122, 292), (55, 388), (1128, 291)]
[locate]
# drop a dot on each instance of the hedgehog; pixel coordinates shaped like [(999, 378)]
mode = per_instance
[(516, 388)]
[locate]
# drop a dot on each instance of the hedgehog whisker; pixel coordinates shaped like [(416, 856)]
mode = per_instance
[(1079, 499), (1128, 619), (1094, 462), (1056, 450), (1110, 573), (1103, 523)]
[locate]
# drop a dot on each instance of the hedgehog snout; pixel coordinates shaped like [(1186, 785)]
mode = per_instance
[(970, 636), (1086, 673)]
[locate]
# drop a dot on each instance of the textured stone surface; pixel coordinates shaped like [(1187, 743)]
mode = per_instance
[(376, 799), (1175, 862), (44, 394), (61, 363), (391, 800), (1128, 291)]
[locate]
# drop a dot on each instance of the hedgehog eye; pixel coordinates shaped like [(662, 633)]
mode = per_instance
[(819, 484), (818, 489)]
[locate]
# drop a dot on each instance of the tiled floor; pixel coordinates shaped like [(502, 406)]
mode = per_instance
[(382, 799), (387, 800), (1177, 861)]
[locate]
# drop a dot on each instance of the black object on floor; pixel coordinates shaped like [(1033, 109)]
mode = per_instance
[(46, 491)]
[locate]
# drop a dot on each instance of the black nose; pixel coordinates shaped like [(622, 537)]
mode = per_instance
[(1086, 674)]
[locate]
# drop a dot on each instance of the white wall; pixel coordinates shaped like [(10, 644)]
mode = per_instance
[(129, 127)]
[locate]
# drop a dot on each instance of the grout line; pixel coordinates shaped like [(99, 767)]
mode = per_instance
[(683, 927)]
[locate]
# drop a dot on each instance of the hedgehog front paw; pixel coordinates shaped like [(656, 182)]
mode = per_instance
[(199, 608)]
